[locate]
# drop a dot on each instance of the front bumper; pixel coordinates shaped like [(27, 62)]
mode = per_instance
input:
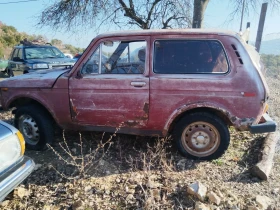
[(15, 175), (266, 127)]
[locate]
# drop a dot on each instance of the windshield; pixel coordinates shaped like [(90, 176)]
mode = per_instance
[(43, 52)]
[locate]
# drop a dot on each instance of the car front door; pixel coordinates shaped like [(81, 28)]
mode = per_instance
[(111, 87)]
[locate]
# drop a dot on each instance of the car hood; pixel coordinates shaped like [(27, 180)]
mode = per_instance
[(52, 61), (36, 79)]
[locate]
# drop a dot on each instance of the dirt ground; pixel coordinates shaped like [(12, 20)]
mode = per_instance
[(93, 171)]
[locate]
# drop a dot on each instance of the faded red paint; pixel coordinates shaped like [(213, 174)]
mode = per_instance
[(106, 101)]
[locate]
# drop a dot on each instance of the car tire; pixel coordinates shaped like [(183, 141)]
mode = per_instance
[(35, 125), (201, 135)]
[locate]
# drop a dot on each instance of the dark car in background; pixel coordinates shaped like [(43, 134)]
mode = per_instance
[(27, 58)]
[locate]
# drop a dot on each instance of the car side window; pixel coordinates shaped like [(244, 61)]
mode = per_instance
[(15, 55), (20, 54), (123, 57), (189, 57), (92, 65)]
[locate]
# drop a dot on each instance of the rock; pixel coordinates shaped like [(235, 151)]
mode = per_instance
[(78, 205), (263, 201), (87, 188), (275, 191), (201, 206), (197, 189), (21, 192), (37, 166), (214, 198)]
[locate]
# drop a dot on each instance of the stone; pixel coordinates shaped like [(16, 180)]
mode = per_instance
[(201, 206), (37, 166), (214, 198), (21, 192), (87, 188), (275, 191), (263, 201), (197, 189)]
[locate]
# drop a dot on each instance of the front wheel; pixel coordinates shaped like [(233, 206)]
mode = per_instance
[(36, 126), (201, 135)]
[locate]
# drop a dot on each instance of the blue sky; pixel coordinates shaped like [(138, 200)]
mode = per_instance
[(22, 16)]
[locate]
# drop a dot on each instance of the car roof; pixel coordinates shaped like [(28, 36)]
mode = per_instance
[(169, 32), (27, 46)]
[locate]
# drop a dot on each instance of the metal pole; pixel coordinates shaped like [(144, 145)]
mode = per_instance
[(260, 27), (243, 5), (248, 26)]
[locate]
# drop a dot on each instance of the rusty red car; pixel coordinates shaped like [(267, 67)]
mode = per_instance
[(191, 83)]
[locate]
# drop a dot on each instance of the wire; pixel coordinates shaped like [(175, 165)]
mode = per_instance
[(15, 2)]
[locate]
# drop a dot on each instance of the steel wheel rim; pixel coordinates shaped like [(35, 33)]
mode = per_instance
[(200, 139), (29, 129)]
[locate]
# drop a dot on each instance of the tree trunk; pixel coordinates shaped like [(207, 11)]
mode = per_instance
[(264, 166), (198, 12)]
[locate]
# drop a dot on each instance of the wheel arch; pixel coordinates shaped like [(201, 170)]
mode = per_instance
[(224, 115), (24, 101)]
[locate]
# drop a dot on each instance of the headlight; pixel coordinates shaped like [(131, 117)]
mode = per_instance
[(40, 66), (11, 149)]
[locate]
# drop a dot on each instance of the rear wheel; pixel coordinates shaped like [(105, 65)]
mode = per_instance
[(202, 136), (35, 125)]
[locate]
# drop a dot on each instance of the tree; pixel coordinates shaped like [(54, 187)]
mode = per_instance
[(199, 7), (144, 14)]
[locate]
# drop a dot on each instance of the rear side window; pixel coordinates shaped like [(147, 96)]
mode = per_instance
[(189, 57)]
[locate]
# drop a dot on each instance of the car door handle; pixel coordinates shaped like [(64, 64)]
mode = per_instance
[(138, 84)]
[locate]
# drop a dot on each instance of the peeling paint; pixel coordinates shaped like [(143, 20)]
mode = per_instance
[(240, 124), (73, 109)]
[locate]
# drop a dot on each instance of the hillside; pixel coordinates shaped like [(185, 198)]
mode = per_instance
[(9, 37), (270, 47)]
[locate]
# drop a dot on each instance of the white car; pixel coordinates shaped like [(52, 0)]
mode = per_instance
[(68, 55), (14, 166)]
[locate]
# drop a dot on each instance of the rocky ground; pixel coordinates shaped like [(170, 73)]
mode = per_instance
[(92, 171)]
